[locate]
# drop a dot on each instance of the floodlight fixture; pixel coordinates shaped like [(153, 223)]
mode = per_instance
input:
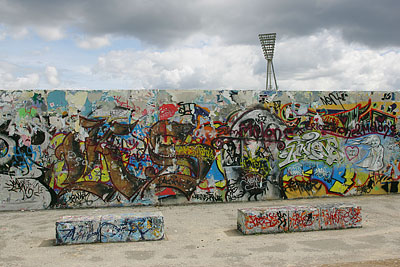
[(268, 46)]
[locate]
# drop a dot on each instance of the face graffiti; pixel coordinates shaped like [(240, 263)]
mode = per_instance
[(107, 148)]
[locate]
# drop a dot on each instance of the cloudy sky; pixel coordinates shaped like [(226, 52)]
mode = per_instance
[(205, 44)]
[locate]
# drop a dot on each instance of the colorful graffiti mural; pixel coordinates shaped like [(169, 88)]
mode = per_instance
[(142, 147)]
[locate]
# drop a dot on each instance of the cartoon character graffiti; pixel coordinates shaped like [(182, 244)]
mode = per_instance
[(374, 159)]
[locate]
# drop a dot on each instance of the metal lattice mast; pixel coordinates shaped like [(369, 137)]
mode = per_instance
[(268, 47)]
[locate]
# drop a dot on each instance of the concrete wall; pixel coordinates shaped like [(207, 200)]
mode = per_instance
[(101, 148)]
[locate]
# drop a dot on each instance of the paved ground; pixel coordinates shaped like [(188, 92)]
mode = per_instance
[(206, 235)]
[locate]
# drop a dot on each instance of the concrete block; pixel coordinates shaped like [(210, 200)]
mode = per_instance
[(262, 220), (298, 218), (340, 216), (303, 218), (132, 227), (110, 228), (78, 230)]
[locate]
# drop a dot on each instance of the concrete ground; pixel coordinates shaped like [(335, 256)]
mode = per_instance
[(206, 235)]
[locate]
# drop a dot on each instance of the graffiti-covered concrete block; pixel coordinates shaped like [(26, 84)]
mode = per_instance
[(110, 228), (298, 218), (263, 220), (339, 216), (303, 218), (78, 229), (132, 227)]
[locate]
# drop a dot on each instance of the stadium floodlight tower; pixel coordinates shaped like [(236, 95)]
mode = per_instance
[(268, 46)]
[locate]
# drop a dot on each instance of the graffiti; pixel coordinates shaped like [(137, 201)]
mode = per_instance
[(105, 148), (79, 233), (311, 146), (184, 165), (309, 178), (248, 153), (263, 99), (79, 198), (131, 230), (249, 184), (303, 219), (388, 96), (334, 98), (334, 217), (207, 197), (270, 220), (355, 122), (352, 152), (374, 159), (186, 108), (277, 105), (102, 152), (27, 188), (124, 103), (167, 111), (255, 129)]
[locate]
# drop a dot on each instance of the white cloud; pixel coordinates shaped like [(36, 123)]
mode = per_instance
[(52, 76), (15, 32), (10, 79), (324, 61), (18, 33), (9, 82), (85, 70), (50, 33), (211, 66), (94, 42)]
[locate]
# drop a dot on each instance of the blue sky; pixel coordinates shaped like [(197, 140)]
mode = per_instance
[(199, 44)]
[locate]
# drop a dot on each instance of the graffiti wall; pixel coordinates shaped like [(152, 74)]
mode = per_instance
[(61, 149)]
